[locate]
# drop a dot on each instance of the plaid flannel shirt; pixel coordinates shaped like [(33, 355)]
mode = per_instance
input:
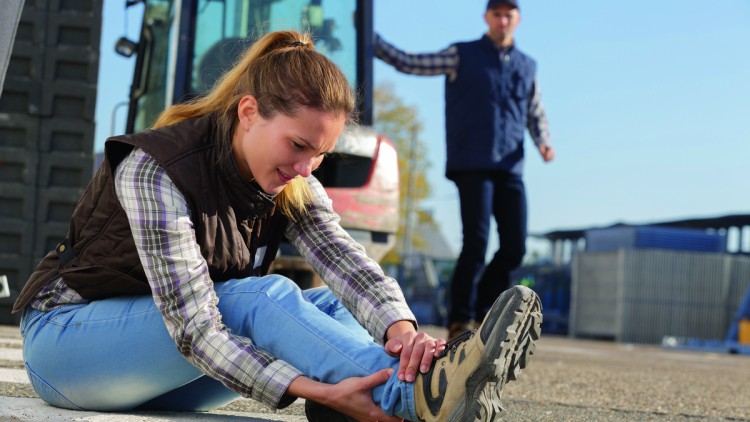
[(177, 273)]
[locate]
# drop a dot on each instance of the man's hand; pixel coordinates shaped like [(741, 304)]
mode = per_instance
[(547, 152)]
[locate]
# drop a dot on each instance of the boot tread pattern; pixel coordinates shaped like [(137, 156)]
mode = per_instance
[(484, 387)]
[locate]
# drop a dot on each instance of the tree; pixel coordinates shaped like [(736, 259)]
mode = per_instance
[(400, 122)]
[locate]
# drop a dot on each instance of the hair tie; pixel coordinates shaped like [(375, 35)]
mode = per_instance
[(298, 44)]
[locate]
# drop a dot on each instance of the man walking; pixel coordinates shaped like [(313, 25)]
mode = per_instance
[(491, 97)]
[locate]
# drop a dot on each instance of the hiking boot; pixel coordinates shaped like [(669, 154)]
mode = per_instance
[(465, 382)]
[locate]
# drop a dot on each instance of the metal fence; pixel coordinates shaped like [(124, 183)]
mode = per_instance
[(642, 295)]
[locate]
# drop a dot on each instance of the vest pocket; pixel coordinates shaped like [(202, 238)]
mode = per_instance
[(521, 90)]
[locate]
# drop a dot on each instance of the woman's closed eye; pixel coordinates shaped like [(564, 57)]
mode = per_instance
[(298, 146)]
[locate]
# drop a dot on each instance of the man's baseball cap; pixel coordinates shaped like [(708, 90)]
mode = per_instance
[(494, 3)]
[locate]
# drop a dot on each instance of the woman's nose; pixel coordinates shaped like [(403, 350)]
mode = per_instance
[(303, 168)]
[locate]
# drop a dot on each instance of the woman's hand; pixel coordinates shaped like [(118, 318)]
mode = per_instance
[(416, 350), (352, 396), (355, 398)]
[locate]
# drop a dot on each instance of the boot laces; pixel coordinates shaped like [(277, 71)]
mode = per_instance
[(453, 343)]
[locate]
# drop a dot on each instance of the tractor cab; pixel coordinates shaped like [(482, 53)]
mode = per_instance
[(186, 45)]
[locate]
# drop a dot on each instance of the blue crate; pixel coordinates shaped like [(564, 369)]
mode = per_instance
[(552, 284), (653, 237)]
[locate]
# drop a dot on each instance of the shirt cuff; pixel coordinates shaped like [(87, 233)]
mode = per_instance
[(391, 315), (278, 375)]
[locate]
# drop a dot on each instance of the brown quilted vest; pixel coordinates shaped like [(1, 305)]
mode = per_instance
[(99, 259)]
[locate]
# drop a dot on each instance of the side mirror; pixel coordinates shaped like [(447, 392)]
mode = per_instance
[(125, 47)]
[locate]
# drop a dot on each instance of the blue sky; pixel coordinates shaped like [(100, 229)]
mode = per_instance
[(648, 103)]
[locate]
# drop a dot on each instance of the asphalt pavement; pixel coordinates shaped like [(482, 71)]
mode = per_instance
[(567, 380)]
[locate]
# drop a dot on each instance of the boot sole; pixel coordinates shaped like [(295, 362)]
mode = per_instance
[(508, 350)]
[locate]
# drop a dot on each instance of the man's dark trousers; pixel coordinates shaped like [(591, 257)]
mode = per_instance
[(483, 194)]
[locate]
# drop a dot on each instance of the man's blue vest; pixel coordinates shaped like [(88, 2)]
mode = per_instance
[(486, 107)]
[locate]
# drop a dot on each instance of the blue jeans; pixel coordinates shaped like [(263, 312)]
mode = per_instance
[(116, 354), (483, 195)]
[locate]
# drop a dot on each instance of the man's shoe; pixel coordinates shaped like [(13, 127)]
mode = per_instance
[(465, 382), (455, 329)]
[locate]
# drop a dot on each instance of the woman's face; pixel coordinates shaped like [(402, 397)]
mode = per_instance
[(276, 150)]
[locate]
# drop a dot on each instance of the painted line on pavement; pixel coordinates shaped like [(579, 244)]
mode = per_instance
[(17, 376), (11, 354)]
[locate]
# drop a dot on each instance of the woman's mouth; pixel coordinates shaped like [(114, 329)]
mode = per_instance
[(285, 178)]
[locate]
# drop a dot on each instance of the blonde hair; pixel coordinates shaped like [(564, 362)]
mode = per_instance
[(284, 72)]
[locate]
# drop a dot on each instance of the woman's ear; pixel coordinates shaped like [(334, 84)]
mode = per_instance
[(247, 111)]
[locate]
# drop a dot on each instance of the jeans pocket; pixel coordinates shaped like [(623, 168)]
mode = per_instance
[(48, 393), (63, 316)]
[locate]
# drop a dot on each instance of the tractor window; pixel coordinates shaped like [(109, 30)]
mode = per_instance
[(225, 28), (151, 87), (344, 171), (353, 160)]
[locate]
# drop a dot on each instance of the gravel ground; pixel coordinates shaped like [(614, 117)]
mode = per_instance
[(588, 380), (582, 380)]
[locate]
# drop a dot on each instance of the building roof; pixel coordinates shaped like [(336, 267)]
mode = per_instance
[(723, 222)]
